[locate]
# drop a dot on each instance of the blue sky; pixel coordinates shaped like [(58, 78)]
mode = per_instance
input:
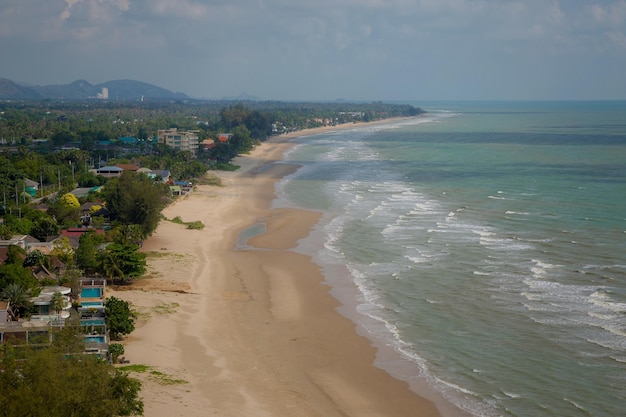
[(325, 49)]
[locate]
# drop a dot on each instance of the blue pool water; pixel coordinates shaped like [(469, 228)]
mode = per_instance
[(92, 304), (95, 339), (92, 322), (91, 293)]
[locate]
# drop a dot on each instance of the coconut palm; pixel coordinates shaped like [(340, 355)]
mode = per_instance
[(57, 303), (110, 265), (17, 296)]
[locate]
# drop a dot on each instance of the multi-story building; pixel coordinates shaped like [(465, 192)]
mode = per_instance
[(184, 141)]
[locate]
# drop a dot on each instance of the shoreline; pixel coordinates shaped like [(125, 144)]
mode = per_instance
[(252, 330)]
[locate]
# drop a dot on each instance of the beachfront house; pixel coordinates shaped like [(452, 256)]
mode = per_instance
[(44, 304)]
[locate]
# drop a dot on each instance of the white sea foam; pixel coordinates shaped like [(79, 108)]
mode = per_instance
[(511, 394), (602, 299), (578, 406)]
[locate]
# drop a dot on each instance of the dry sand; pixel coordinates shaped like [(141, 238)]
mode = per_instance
[(251, 332)]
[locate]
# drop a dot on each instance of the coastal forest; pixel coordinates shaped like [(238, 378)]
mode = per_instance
[(48, 150)]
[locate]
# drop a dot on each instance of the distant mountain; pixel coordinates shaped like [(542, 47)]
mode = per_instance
[(11, 90), (118, 90)]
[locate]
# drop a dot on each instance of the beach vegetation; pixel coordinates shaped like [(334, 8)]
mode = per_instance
[(116, 350), (155, 254), (194, 225), (137, 368), (223, 166), (165, 379), (166, 308), (120, 319), (209, 179), (157, 376)]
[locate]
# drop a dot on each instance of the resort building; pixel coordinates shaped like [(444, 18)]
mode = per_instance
[(183, 141), (43, 304), (50, 315)]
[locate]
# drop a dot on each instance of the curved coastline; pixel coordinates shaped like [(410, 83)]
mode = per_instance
[(252, 332)]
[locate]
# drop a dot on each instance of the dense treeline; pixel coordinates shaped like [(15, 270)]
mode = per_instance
[(33, 132), (92, 121), (57, 379)]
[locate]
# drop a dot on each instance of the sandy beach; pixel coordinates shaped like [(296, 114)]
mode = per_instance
[(251, 331)]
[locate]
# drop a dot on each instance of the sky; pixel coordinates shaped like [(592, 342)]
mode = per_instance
[(325, 49)]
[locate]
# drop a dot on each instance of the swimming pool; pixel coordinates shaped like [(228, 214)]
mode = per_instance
[(95, 339), (91, 292), (92, 322), (92, 304)]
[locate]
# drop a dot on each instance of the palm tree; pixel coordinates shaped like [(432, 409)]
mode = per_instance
[(110, 265), (17, 296), (57, 302)]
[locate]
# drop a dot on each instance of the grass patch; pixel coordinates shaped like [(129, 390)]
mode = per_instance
[(221, 166), (159, 377), (135, 368), (194, 225), (154, 254), (166, 308), (210, 179), (165, 379)]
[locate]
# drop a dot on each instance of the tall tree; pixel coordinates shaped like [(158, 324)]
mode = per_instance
[(44, 227), (86, 252), (57, 303), (120, 319), (121, 262), (136, 199)]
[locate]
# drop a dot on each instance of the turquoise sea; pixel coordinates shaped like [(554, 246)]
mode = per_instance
[(482, 246)]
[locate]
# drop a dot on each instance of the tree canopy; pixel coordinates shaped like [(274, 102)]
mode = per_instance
[(55, 382), (120, 319), (121, 263), (136, 199)]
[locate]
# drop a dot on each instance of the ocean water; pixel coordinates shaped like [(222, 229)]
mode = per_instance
[(487, 242)]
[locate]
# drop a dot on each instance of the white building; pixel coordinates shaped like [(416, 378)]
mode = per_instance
[(183, 141)]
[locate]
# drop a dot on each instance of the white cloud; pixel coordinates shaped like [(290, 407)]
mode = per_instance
[(326, 45), (612, 15)]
